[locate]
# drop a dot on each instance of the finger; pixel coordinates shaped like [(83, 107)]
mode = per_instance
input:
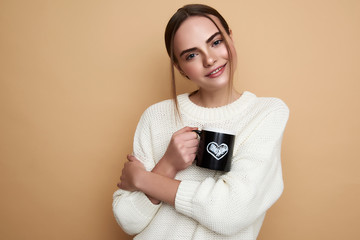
[(191, 135), (191, 143), (190, 158), (131, 157), (185, 129), (193, 150), (186, 136)]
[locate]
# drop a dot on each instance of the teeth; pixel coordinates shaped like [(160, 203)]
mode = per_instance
[(216, 70)]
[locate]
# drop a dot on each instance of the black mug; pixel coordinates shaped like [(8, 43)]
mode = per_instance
[(215, 149)]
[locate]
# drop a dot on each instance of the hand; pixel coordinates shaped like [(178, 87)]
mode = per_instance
[(131, 174), (181, 151)]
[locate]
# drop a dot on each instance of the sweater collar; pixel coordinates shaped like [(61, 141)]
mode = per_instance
[(190, 109)]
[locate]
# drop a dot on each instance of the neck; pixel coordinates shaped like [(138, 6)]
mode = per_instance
[(211, 99)]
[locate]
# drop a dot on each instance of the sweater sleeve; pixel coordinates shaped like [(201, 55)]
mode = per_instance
[(232, 202), (133, 211)]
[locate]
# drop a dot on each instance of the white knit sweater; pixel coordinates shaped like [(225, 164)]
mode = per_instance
[(209, 204)]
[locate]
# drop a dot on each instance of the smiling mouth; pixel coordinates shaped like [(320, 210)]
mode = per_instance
[(216, 70)]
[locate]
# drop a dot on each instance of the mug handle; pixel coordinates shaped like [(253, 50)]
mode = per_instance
[(198, 132)]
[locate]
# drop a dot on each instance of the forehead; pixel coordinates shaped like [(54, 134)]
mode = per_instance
[(194, 31)]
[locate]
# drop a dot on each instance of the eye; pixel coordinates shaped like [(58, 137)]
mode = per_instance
[(190, 56), (217, 42)]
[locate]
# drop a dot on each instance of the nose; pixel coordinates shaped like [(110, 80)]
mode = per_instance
[(209, 59)]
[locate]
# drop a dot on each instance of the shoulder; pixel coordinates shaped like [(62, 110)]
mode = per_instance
[(160, 107), (158, 111), (266, 117), (262, 109), (269, 105)]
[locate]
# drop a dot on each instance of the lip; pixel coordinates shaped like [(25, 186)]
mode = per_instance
[(214, 74)]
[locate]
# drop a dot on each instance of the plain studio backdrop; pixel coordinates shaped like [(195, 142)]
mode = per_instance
[(76, 75)]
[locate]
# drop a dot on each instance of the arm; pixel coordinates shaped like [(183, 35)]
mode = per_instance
[(133, 209), (156, 186), (160, 183), (236, 199)]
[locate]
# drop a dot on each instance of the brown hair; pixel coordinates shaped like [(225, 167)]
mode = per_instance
[(173, 25)]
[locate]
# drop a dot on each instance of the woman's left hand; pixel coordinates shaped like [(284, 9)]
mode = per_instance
[(131, 174)]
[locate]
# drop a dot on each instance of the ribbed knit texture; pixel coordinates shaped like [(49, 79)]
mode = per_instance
[(209, 204)]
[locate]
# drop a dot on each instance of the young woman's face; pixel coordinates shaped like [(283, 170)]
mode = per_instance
[(201, 53)]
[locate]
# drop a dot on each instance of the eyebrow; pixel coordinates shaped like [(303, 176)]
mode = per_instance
[(207, 41)]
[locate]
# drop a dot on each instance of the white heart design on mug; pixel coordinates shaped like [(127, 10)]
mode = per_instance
[(217, 151)]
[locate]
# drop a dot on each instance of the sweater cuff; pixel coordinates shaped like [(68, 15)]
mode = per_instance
[(184, 197), (143, 205)]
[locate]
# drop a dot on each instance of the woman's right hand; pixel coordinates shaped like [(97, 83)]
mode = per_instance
[(179, 155), (181, 151)]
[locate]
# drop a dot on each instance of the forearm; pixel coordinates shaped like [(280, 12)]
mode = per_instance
[(162, 168), (179, 155), (158, 187)]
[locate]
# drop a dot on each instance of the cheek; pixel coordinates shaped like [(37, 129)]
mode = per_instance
[(224, 53), (191, 69)]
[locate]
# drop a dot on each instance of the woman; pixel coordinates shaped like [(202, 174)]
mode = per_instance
[(162, 194)]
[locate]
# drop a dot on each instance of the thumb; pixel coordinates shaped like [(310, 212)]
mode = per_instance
[(186, 129)]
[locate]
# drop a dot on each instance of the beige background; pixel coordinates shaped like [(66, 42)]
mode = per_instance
[(75, 77)]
